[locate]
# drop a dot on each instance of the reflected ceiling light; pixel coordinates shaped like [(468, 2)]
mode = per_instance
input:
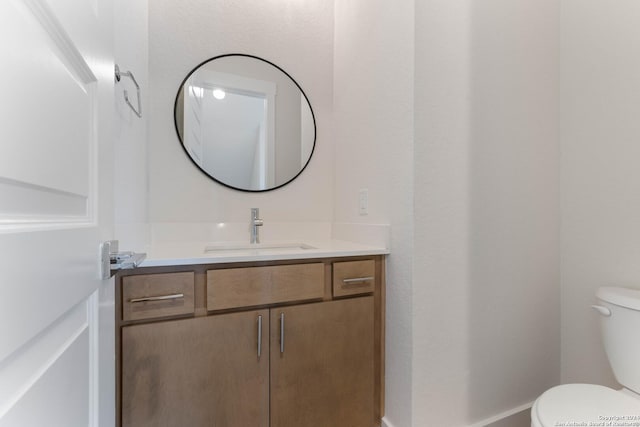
[(219, 94)]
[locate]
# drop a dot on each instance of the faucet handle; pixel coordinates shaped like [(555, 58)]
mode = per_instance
[(254, 224)]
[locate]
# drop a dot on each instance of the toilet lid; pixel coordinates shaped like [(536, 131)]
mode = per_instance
[(586, 404)]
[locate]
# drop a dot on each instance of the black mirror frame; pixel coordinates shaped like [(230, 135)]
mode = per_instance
[(175, 122)]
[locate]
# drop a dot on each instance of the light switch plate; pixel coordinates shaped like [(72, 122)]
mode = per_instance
[(363, 201)]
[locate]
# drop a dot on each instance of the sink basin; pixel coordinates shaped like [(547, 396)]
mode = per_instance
[(226, 247)]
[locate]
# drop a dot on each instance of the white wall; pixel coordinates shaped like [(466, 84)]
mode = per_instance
[(486, 262), (441, 291), (373, 109), (131, 40), (130, 46), (295, 35), (484, 295), (514, 179), (471, 187), (600, 172), (459, 151)]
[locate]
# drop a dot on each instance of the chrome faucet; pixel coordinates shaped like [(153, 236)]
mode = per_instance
[(254, 224)]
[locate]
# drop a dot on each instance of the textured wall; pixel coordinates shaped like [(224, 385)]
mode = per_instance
[(486, 306), (131, 47), (453, 118), (448, 114), (297, 36), (600, 173), (442, 198), (373, 97), (514, 179)]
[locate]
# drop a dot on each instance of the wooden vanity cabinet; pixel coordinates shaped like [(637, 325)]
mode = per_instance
[(203, 371), (311, 357), (323, 374)]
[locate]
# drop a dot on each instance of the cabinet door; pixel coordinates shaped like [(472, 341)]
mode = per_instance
[(197, 372), (322, 374)]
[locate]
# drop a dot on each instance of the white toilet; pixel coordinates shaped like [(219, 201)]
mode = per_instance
[(595, 405)]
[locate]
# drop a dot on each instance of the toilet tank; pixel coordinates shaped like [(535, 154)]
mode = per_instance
[(620, 333)]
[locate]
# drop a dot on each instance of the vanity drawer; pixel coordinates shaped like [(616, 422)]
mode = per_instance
[(252, 286), (150, 296), (353, 277)]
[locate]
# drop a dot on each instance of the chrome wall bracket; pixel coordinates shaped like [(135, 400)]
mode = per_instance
[(119, 74)]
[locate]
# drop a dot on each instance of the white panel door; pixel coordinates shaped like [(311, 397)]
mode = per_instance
[(56, 108)]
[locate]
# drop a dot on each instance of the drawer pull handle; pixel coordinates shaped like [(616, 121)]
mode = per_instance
[(259, 336), (281, 332), (158, 298), (357, 280)]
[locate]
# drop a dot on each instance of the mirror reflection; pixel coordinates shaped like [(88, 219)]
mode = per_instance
[(245, 122)]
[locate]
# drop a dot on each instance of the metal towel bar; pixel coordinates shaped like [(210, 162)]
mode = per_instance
[(129, 74)]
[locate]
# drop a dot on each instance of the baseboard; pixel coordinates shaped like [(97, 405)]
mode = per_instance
[(496, 419), (386, 423)]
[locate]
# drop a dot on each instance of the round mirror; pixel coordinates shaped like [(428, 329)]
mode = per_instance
[(245, 122)]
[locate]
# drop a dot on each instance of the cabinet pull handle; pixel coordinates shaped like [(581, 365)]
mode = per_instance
[(357, 279), (259, 336), (281, 332), (158, 298)]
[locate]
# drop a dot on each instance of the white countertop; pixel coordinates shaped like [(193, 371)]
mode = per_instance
[(191, 253)]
